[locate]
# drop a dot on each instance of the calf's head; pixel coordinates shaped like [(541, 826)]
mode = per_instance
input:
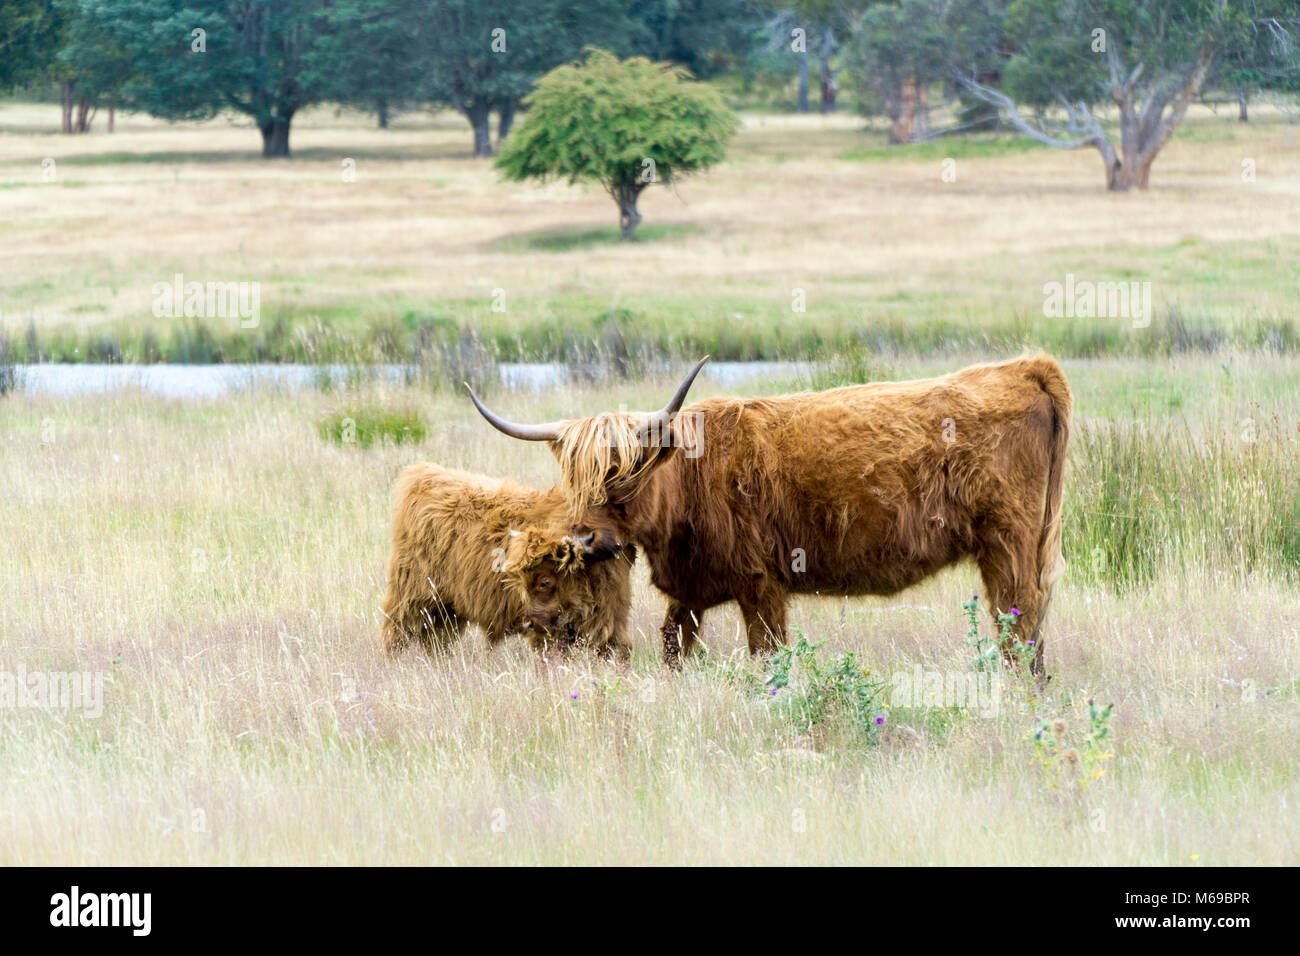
[(573, 584)]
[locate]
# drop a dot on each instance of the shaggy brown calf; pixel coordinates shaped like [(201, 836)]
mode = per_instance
[(865, 489), (468, 549)]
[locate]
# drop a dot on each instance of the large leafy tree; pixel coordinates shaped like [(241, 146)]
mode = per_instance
[(194, 58), (625, 124), (1146, 59)]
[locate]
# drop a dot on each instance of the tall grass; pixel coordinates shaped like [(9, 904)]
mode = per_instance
[(628, 341), (8, 369), (223, 567), (1147, 500)]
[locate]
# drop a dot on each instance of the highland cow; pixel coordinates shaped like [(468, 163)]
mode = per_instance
[(865, 489), (468, 549)]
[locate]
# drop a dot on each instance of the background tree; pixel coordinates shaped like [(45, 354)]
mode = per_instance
[(378, 45), (822, 24), (898, 51), (1146, 58), (481, 56), (93, 65), (264, 59), (1261, 57), (624, 124), (708, 37), (31, 32)]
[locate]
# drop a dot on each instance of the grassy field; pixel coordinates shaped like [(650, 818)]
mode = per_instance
[(220, 562), (417, 247)]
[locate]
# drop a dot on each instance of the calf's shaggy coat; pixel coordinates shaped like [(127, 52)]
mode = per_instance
[(469, 549), (865, 489)]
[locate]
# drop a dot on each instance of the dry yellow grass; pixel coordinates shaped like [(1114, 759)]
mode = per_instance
[(425, 222)]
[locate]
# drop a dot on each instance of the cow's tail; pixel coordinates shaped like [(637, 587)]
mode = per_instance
[(1051, 565)]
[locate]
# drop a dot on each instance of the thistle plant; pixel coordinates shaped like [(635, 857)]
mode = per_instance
[(1073, 759), (811, 694), (988, 651)]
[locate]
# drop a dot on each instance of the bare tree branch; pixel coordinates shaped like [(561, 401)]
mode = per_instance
[(1082, 128)]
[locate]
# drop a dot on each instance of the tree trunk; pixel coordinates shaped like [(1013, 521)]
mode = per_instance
[(902, 127), (275, 137), (381, 110), (506, 119), (83, 115), (1243, 114), (479, 117), (829, 88), (803, 75), (628, 217), (66, 94), (112, 118)]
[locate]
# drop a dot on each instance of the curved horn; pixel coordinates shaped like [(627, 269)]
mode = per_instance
[(548, 432), (675, 403)]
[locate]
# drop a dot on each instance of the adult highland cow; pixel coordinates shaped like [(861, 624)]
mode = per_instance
[(468, 549), (865, 489)]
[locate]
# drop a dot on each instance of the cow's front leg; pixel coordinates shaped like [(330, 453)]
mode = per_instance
[(681, 632), (765, 620)]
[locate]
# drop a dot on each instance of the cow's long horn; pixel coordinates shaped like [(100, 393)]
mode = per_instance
[(675, 403), (548, 432)]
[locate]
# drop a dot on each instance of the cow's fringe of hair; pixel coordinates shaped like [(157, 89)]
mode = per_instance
[(595, 453)]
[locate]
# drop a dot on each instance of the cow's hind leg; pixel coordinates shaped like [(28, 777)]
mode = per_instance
[(681, 631), (1010, 576)]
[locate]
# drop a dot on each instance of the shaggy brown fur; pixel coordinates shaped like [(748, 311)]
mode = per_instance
[(472, 549), (865, 489)]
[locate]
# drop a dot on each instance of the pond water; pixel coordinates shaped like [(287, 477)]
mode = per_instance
[(214, 381)]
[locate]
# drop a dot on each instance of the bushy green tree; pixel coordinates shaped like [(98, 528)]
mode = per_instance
[(625, 124)]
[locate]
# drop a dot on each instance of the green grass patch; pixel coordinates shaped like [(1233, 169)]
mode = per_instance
[(569, 238), (954, 147), (367, 426)]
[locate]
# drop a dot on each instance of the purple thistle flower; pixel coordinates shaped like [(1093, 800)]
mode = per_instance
[(1029, 643), (573, 696), (880, 720), (772, 692)]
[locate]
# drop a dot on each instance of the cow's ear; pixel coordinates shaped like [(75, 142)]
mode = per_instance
[(599, 544)]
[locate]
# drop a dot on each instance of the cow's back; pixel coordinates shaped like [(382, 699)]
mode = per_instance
[(860, 489)]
